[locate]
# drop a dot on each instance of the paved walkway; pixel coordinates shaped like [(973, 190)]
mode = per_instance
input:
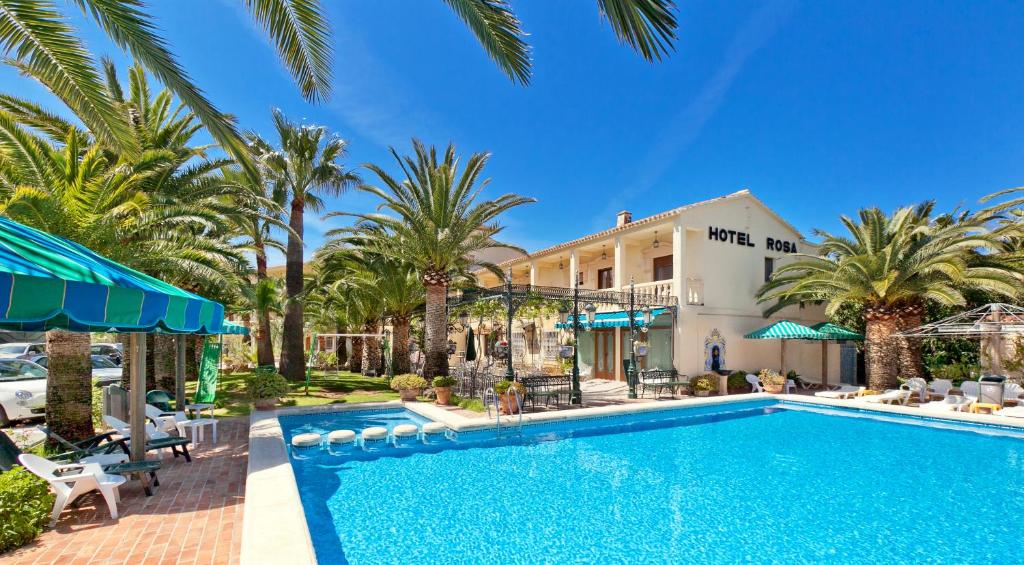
[(195, 516)]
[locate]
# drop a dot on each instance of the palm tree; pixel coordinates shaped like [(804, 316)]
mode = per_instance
[(38, 40), (437, 225), (889, 266), (306, 164)]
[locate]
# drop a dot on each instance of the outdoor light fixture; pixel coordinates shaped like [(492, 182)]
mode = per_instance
[(560, 266), (656, 243), (464, 317), (563, 315), (604, 255), (452, 346), (646, 311), (591, 311)]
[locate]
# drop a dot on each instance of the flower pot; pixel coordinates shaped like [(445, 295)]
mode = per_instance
[(444, 395), (566, 351), (702, 392), (265, 403), (772, 388), (409, 394), (508, 404)]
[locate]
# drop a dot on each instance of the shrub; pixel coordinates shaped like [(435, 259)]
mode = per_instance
[(705, 383), (444, 381), (502, 387), (771, 378), (264, 385), (738, 380), (25, 504), (956, 372), (408, 382)]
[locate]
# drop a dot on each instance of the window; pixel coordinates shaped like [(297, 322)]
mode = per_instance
[(663, 268), (550, 346), (769, 268), (604, 278), (579, 278), (518, 345)]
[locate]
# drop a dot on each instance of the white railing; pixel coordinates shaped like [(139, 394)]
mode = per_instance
[(695, 291), (657, 289)]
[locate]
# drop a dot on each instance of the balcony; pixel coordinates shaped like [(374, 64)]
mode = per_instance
[(657, 289)]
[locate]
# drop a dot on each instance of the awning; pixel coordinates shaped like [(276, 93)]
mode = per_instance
[(618, 319), (836, 333), (784, 329), (48, 282), (231, 328)]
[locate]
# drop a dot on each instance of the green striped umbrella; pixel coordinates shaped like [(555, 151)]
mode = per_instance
[(48, 282), (838, 333), (784, 329)]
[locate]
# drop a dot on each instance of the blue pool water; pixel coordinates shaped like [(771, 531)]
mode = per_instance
[(764, 483)]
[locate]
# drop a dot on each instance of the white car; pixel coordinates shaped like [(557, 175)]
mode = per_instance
[(22, 390), (104, 371), (21, 350)]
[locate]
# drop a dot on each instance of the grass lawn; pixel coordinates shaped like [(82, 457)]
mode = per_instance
[(340, 388)]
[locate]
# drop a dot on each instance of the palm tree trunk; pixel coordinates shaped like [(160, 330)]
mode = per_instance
[(126, 360), (264, 344), (69, 385), (163, 361), (881, 351), (193, 353), (371, 350), (150, 363), (355, 362), (400, 344), (436, 329), (341, 349), (293, 359), (911, 363)]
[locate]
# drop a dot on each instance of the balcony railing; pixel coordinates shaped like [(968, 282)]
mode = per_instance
[(694, 291), (657, 289)]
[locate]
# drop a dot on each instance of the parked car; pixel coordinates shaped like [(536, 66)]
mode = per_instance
[(21, 350), (112, 350), (104, 371), (22, 390)]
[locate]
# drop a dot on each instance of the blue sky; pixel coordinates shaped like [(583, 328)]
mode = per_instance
[(819, 108)]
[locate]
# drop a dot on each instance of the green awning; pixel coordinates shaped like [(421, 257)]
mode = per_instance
[(48, 282), (619, 319), (837, 333), (784, 329)]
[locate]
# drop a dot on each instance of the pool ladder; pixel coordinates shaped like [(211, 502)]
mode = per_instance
[(492, 398)]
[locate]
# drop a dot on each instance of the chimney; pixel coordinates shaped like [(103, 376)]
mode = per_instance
[(623, 218)]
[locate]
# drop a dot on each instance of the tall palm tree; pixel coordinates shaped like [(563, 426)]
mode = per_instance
[(37, 37), (306, 164), (437, 222), (890, 265)]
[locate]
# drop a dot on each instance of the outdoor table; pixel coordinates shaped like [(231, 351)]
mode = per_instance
[(975, 407), (198, 409), (199, 424)]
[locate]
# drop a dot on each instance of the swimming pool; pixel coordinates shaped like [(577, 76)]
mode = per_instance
[(754, 481)]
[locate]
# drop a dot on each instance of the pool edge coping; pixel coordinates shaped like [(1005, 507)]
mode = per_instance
[(274, 521)]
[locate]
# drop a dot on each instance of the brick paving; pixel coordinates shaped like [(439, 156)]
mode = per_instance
[(194, 516)]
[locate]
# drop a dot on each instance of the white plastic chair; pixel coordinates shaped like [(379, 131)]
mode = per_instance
[(124, 429), (165, 421), (844, 391), (1012, 392), (917, 386), (940, 387), (790, 386), (971, 390), (755, 383), (69, 487)]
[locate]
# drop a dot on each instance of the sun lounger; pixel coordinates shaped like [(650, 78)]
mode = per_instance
[(111, 455), (947, 404), (844, 391), (1012, 412), (156, 440), (900, 396), (916, 386), (70, 481), (939, 388)]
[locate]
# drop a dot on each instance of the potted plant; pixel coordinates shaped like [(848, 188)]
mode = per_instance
[(409, 386), (772, 381), (443, 389), (265, 388), (737, 382), (566, 350), (704, 384), (508, 400)]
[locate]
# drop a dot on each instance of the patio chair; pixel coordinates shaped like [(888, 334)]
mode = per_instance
[(112, 456), (844, 391), (939, 388), (164, 421), (900, 396), (155, 439), (72, 481), (790, 386), (755, 383), (918, 386), (971, 390), (1012, 393)]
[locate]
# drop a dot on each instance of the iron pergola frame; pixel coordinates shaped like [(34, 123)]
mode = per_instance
[(515, 295)]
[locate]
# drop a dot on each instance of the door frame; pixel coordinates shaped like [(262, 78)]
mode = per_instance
[(607, 337)]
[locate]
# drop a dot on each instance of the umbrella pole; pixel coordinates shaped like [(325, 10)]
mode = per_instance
[(179, 373), (824, 363), (782, 357), (137, 396)]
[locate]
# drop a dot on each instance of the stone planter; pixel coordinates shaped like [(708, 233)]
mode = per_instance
[(702, 392), (508, 404), (444, 395), (265, 403), (409, 394), (773, 388)]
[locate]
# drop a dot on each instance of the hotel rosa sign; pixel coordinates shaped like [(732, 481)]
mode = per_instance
[(744, 239)]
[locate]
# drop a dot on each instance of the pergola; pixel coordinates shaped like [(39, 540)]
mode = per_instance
[(637, 307), (990, 323), (49, 283)]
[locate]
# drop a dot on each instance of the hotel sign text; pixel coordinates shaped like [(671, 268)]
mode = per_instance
[(744, 239)]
